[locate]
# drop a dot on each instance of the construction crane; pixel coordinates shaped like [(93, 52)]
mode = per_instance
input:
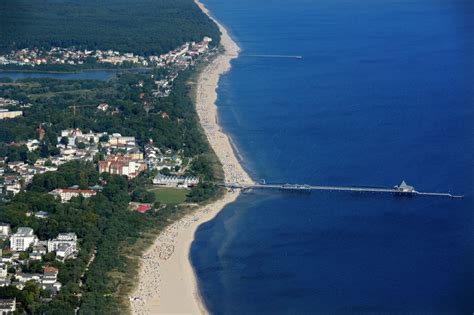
[(75, 107)]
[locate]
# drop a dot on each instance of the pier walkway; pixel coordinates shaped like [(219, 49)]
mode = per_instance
[(402, 189), (267, 56), (275, 56)]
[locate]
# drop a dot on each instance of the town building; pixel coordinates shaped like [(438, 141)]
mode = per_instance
[(3, 271), (120, 165), (143, 208), (41, 215), (5, 230), (12, 184), (175, 181), (22, 239), (33, 145), (25, 277), (65, 195), (8, 102), (50, 275), (65, 245), (38, 252), (6, 114), (50, 280), (103, 107), (7, 306), (117, 140), (134, 154), (153, 155)]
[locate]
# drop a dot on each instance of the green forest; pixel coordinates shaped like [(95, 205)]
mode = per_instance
[(145, 27)]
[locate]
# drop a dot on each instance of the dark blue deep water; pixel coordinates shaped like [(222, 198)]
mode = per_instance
[(385, 92)]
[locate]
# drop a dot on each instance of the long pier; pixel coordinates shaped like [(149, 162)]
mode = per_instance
[(402, 189), (267, 56), (275, 56)]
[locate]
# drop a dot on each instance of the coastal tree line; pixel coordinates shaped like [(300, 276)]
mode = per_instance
[(145, 27)]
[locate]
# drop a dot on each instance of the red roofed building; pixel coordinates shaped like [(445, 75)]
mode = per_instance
[(143, 208), (50, 275), (50, 279), (66, 194), (50, 269), (41, 133)]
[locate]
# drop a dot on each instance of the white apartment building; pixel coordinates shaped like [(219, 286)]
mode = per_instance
[(7, 306), (22, 239), (117, 140), (64, 245), (175, 181), (3, 271), (65, 195), (5, 230)]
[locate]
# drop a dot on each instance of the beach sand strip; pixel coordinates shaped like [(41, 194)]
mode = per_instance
[(167, 282)]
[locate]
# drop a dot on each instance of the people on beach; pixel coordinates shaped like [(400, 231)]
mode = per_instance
[(149, 283)]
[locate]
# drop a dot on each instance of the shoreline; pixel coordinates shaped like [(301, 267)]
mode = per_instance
[(167, 282)]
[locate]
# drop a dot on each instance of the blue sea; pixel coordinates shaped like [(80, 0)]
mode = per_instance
[(384, 93)]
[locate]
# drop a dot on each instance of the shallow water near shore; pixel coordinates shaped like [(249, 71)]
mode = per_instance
[(384, 92)]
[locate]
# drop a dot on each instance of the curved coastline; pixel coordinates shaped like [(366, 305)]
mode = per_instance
[(167, 282)]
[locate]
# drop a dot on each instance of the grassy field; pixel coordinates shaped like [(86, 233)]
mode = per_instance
[(170, 196)]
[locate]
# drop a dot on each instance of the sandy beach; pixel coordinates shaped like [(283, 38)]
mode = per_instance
[(167, 283)]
